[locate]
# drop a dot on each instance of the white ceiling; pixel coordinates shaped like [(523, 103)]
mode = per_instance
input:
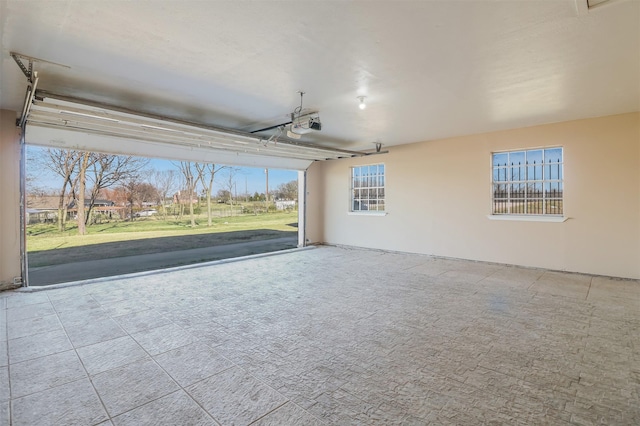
[(429, 69)]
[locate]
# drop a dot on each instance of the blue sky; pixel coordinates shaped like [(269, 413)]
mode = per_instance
[(251, 178)]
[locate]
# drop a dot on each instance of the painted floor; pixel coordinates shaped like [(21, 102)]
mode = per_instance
[(325, 336)]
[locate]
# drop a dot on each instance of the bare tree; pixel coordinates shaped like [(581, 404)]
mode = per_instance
[(128, 190), (165, 183), (191, 178), (145, 193), (288, 190), (108, 170), (230, 181), (206, 174), (224, 195), (136, 192), (64, 163), (82, 187)]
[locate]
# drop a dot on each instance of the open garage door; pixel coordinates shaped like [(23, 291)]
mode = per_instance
[(70, 123)]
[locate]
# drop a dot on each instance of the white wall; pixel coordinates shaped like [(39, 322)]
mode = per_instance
[(10, 196), (439, 196)]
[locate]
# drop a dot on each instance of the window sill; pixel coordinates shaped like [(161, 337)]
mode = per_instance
[(528, 218), (367, 213)]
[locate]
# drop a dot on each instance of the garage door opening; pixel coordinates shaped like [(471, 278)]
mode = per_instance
[(137, 214), (98, 131)]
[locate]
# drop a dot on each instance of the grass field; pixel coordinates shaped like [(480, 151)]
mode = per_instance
[(45, 237)]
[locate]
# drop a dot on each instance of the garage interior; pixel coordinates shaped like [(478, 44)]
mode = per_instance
[(425, 305)]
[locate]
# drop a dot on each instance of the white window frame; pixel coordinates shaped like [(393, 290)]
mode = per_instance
[(518, 202), (380, 184)]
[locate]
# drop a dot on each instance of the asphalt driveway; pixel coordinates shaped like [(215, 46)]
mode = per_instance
[(96, 268)]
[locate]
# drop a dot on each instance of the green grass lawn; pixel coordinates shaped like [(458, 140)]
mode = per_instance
[(42, 237)]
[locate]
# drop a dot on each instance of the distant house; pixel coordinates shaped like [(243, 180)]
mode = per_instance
[(285, 204), (100, 206), (98, 203), (182, 197), (42, 209)]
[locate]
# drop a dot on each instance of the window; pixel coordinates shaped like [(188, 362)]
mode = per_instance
[(528, 182), (367, 188)]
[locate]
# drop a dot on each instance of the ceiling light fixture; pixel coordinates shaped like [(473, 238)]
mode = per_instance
[(362, 104)]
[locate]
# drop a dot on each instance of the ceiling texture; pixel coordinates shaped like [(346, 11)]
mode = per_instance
[(429, 69)]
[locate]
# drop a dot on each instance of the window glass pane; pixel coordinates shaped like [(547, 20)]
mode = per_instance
[(553, 155), (500, 190), (534, 161), (534, 172), (500, 174), (500, 159), (517, 207), (500, 207), (516, 158), (552, 190), (534, 156), (552, 171), (554, 207), (518, 190), (518, 173), (535, 206), (536, 190)]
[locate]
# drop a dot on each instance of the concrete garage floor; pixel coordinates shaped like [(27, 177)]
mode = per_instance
[(331, 335)]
